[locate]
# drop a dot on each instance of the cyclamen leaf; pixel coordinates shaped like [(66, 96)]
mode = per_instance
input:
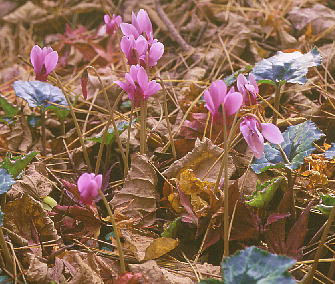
[(330, 153), (39, 94), (16, 165), (298, 144), (253, 265), (264, 193), (326, 204), (287, 67), (10, 111), (6, 181)]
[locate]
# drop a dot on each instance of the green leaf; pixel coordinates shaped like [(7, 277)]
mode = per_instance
[(171, 230), (15, 165), (121, 127), (39, 94), (10, 111), (288, 67), (264, 193), (298, 144), (49, 203), (330, 153), (6, 181), (253, 265), (326, 204), (211, 281), (61, 112)]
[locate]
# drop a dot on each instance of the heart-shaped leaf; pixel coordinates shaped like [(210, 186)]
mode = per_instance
[(287, 67), (264, 193), (298, 144), (15, 165), (6, 181), (253, 265), (330, 153), (326, 204), (39, 94)]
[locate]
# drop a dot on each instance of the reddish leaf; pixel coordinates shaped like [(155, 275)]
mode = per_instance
[(185, 201), (275, 217)]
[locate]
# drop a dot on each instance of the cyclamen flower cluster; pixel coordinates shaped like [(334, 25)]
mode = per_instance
[(254, 132), (88, 187), (112, 23), (138, 43), (141, 50)]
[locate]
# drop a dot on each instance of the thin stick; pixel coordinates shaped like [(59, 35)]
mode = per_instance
[(116, 231), (6, 253), (143, 127), (79, 133), (276, 103), (128, 139), (166, 112), (309, 276)]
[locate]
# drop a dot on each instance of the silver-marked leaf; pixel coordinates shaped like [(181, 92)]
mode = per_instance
[(253, 265), (298, 144), (6, 181), (39, 94), (287, 67), (264, 193)]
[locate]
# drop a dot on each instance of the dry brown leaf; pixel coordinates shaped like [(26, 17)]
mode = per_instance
[(160, 247), (319, 16), (25, 14), (87, 270), (33, 183), (26, 217), (138, 196), (37, 271), (19, 138), (156, 274), (202, 161)]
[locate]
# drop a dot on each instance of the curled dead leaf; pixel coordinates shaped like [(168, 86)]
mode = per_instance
[(160, 247)]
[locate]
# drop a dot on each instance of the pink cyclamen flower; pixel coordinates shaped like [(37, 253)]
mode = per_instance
[(154, 53), (137, 85), (217, 95), (88, 186), (140, 23), (44, 61), (254, 133), (133, 48), (112, 23), (248, 88)]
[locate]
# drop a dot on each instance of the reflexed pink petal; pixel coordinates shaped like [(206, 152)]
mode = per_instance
[(155, 53), (253, 81), (123, 85), (232, 103), (252, 136), (135, 22), (272, 133), (107, 19), (142, 78), (218, 91), (46, 50), (126, 44), (144, 22), (209, 103), (98, 180), (130, 80), (152, 88), (128, 30), (36, 58), (51, 61), (141, 45), (83, 180), (118, 20)]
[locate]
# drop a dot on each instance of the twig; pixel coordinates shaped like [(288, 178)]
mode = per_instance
[(174, 34)]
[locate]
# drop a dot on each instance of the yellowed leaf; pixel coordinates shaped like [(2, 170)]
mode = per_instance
[(160, 247)]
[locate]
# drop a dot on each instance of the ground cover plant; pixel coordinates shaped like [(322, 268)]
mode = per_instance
[(166, 141)]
